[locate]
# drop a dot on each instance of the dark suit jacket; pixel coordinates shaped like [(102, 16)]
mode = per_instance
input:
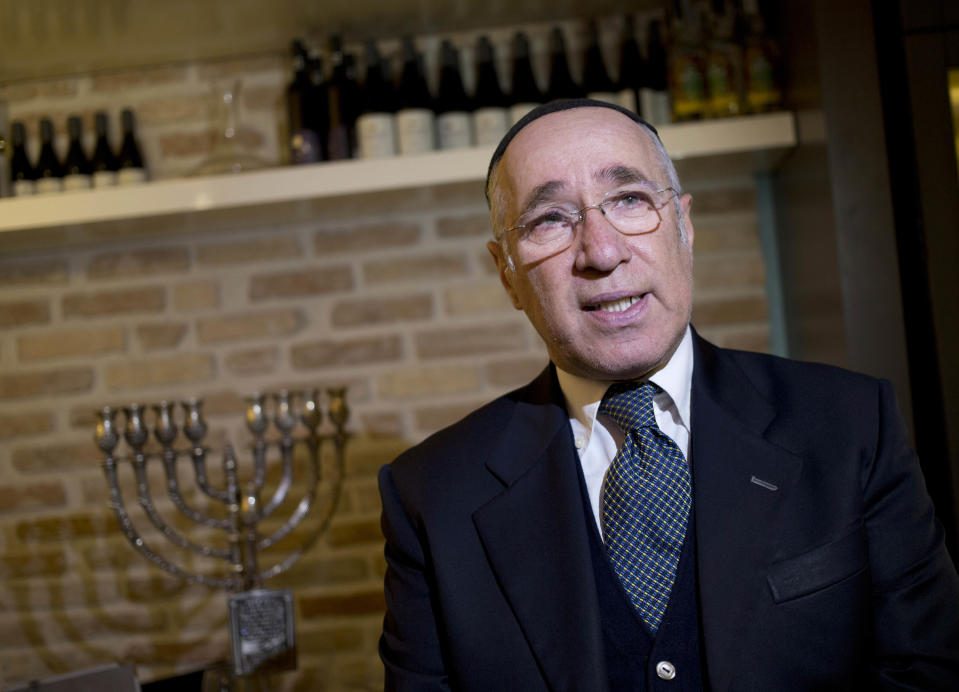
[(820, 562)]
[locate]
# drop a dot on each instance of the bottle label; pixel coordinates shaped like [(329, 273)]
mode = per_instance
[(24, 188), (607, 96), (414, 128), (627, 99), (77, 182), (305, 147), (518, 110), (131, 176), (655, 106), (453, 130), (104, 179), (376, 134), (490, 125), (46, 186)]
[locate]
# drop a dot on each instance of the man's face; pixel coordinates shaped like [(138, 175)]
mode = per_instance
[(609, 306)]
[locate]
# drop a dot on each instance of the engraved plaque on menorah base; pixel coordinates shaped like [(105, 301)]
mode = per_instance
[(261, 621)]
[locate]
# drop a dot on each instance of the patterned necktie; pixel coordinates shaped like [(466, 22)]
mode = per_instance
[(645, 502)]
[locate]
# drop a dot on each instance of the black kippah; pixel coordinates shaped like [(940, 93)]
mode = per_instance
[(553, 107)]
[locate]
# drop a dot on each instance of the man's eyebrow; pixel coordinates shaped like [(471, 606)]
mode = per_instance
[(540, 194), (621, 175)]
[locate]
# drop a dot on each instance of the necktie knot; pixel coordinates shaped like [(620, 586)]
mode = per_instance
[(630, 405)]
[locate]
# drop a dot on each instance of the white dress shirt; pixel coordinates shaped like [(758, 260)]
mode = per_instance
[(598, 438)]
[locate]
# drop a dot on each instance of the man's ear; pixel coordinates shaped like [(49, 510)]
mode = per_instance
[(506, 270), (686, 202)]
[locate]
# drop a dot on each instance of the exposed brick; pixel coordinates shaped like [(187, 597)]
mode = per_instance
[(60, 343), (129, 300), (325, 354), (175, 110), (431, 381), (723, 233), (416, 268), (747, 339), (729, 271), (437, 417), (355, 533), (95, 624), (476, 298), (459, 341), (53, 272), (330, 640), (20, 313), (365, 455), (20, 498), (46, 382), (382, 423), (359, 238), (726, 310), (367, 311), (66, 527), (180, 369), (260, 249), (514, 372), (69, 456), (135, 263), (252, 361), (723, 201), (223, 403), (361, 603), (122, 81), (162, 335), (263, 98), (189, 144), (175, 650), (31, 564), (196, 295), (366, 499), (299, 284), (25, 423), (464, 226), (249, 325), (239, 67), (328, 570)]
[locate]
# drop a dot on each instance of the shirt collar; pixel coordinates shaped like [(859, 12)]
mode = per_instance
[(583, 395)]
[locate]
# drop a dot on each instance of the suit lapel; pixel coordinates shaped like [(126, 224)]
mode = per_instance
[(741, 482), (535, 537)]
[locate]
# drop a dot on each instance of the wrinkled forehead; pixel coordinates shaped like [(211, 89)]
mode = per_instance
[(575, 149)]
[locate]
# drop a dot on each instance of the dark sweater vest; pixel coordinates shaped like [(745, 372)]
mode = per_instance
[(632, 652)]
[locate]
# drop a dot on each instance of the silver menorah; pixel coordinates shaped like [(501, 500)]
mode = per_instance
[(261, 620)]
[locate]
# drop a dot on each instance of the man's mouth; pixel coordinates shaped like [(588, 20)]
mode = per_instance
[(618, 305)]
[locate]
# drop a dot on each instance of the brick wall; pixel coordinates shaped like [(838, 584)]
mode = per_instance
[(392, 294)]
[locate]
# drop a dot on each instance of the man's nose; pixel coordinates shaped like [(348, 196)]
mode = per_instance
[(600, 246)]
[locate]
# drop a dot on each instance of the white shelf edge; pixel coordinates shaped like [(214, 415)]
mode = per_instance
[(688, 140)]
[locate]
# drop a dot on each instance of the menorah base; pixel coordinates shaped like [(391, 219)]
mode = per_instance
[(262, 632)]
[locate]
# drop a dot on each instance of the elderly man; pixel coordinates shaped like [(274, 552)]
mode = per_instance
[(654, 512)]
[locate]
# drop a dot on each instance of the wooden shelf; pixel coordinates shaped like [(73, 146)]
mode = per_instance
[(738, 145)]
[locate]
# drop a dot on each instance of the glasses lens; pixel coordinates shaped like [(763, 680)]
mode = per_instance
[(634, 211)]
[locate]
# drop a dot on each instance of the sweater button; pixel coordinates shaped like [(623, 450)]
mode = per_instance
[(665, 670)]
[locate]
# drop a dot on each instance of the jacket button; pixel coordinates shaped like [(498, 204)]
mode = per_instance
[(665, 670)]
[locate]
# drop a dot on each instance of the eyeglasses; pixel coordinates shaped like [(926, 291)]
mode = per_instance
[(631, 211)]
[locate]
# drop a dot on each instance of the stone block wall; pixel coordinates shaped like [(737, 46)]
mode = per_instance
[(392, 294)]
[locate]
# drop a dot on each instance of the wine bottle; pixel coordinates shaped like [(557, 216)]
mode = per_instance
[(560, 84), (632, 69), (316, 107), (304, 141), (376, 125), (687, 76), (6, 145), (341, 100), (415, 120), (595, 77), (762, 86), (78, 173), (132, 170), (104, 163), (723, 63), (49, 169), (491, 117), (654, 94), (22, 174), (452, 106), (525, 94)]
